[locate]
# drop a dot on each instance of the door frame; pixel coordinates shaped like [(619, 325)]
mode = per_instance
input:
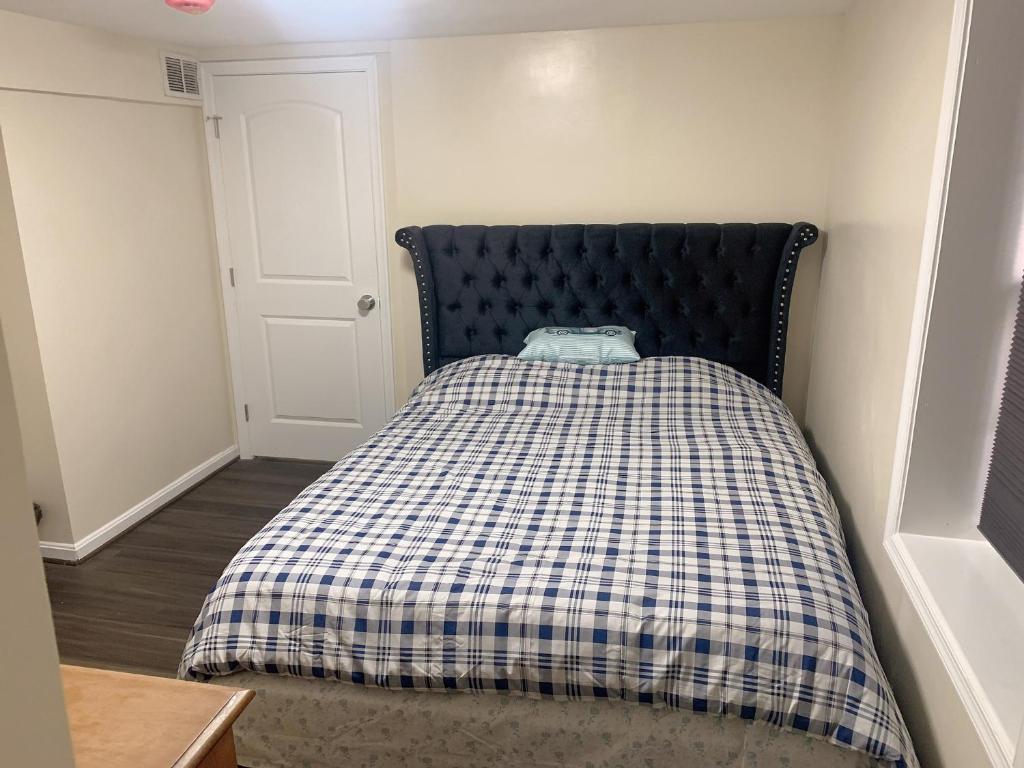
[(313, 65)]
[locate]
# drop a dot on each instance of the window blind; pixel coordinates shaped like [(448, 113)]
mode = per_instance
[(1002, 509)]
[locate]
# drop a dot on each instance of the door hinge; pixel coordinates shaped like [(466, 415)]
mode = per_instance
[(245, 409), (216, 125), (231, 276)]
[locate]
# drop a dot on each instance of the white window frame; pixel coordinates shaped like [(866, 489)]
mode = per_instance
[(1004, 749)]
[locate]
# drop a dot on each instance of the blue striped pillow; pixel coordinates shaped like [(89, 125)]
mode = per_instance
[(605, 345)]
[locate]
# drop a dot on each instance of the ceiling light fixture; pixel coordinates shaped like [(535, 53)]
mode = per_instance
[(195, 7)]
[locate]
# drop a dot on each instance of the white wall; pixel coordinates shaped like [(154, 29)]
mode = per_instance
[(33, 723), (709, 121), (694, 122), (892, 72), (689, 122), (45, 483), (115, 221), (110, 188), (41, 55)]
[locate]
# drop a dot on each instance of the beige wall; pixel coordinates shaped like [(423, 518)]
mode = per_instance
[(694, 122), (45, 483), (41, 55), (707, 121), (113, 208), (892, 68), (33, 724), (632, 123), (714, 122)]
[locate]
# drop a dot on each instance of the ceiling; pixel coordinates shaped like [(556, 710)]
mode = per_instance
[(260, 22)]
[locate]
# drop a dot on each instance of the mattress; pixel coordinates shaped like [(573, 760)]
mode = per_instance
[(654, 532)]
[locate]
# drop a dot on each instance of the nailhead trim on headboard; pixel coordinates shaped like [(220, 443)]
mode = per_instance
[(803, 235), (413, 239), (421, 281)]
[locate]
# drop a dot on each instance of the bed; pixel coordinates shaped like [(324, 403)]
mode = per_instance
[(555, 564)]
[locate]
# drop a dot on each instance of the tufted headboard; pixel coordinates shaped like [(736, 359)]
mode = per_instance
[(718, 291)]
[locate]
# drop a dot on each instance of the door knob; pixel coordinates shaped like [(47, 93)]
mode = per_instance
[(367, 302)]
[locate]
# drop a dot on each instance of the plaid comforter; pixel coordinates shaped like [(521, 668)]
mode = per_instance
[(655, 532)]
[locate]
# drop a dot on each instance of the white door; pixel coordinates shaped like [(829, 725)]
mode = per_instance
[(299, 219)]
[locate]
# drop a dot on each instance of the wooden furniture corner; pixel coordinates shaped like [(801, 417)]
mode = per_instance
[(122, 720)]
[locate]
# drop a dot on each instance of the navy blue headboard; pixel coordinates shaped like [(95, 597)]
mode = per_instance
[(718, 291)]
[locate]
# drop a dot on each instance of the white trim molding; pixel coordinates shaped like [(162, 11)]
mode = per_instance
[(81, 549), (934, 218), (58, 550), (998, 744)]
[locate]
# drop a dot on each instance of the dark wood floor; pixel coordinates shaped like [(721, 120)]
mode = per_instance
[(132, 604)]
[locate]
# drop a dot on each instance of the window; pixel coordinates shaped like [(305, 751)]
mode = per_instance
[(955, 565), (1002, 510)]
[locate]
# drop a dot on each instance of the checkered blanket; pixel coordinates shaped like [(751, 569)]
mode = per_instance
[(655, 532)]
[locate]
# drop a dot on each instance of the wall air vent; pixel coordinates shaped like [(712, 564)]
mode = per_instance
[(181, 76)]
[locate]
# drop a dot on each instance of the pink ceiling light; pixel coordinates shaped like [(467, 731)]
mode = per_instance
[(194, 7)]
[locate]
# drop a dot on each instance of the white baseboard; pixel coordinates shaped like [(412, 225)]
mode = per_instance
[(56, 550)]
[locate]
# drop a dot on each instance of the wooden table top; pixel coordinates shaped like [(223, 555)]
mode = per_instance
[(120, 720)]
